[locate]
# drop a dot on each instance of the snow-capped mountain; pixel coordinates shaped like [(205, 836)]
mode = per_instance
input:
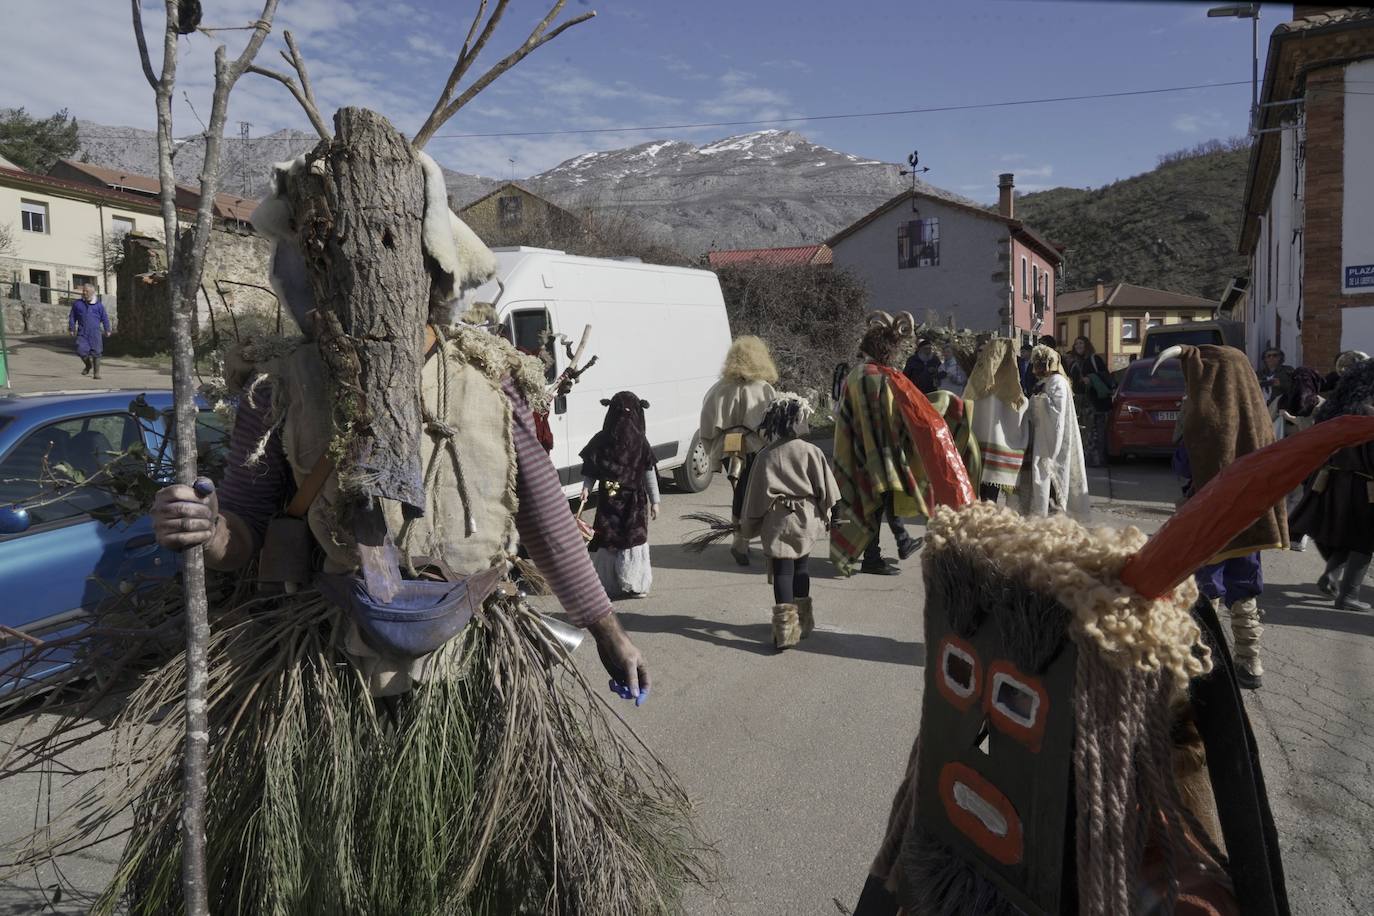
[(761, 189), (771, 187)]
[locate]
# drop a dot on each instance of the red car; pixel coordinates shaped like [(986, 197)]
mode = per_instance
[(1145, 409)]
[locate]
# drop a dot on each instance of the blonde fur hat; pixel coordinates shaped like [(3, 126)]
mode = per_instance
[(749, 361)]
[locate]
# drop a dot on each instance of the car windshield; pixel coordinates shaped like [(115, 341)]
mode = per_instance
[(1156, 344), (1168, 380)]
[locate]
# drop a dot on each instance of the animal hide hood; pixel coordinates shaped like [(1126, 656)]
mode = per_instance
[(749, 361), (996, 373), (1354, 392), (460, 261), (621, 451), (1225, 418)]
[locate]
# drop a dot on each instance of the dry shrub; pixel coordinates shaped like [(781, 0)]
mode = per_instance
[(812, 317)]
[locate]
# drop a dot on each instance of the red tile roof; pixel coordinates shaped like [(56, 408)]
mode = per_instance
[(80, 188), (795, 256), (227, 206)]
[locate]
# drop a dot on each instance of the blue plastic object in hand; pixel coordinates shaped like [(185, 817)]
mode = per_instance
[(203, 487)]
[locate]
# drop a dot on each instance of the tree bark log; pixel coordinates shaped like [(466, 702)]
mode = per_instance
[(359, 210)]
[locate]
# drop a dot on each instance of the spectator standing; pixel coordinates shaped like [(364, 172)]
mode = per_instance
[(1092, 389), (90, 325)]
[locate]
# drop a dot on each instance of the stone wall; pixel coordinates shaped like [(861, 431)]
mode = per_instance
[(235, 289)]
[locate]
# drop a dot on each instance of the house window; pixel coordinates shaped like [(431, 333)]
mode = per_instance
[(1063, 332), (121, 225), (1035, 281), (33, 216), (1049, 287), (508, 209), (1025, 283), (80, 280), (1154, 323), (918, 243), (43, 280), (1130, 330)]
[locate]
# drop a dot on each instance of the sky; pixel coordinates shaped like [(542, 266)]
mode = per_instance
[(655, 64)]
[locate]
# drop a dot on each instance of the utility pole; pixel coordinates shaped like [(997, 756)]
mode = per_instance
[(244, 127)]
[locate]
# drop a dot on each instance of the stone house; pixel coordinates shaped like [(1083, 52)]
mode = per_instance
[(1116, 316), (963, 264), (1308, 224), (514, 215)]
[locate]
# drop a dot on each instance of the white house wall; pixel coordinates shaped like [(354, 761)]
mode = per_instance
[(1357, 213), (962, 285), (1276, 266)]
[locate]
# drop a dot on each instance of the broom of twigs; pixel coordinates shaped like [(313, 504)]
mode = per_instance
[(718, 528)]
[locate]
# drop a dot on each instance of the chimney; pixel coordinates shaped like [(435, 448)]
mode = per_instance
[(1099, 292), (1005, 203)]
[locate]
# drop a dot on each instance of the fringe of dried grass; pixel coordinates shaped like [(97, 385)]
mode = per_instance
[(506, 786)]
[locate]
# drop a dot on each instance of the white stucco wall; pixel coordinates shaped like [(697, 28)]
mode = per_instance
[(1357, 214), (1276, 265), (963, 284)]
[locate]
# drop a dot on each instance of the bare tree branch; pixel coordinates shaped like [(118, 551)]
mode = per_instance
[(466, 57), (143, 44), (185, 267), (297, 60), (311, 112), (539, 36)]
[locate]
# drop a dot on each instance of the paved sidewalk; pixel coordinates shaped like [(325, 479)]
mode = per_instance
[(51, 364)]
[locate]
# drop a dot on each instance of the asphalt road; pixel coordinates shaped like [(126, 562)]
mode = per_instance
[(792, 758)]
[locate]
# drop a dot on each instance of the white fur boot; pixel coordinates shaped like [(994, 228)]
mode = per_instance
[(1246, 629)]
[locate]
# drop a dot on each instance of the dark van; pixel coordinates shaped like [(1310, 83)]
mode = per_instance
[(1220, 332)]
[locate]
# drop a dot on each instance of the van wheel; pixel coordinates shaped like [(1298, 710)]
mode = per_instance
[(696, 473)]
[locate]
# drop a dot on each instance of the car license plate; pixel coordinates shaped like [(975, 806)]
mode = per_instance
[(1166, 416)]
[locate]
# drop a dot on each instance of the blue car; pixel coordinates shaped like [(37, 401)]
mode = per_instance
[(57, 559)]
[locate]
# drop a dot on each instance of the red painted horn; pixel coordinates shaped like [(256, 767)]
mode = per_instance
[(1233, 500)]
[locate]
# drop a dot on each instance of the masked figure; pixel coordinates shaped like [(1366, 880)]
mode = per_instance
[(1224, 418), (730, 416), (1337, 505), (998, 407), (1054, 479), (876, 463), (389, 730), (619, 463)]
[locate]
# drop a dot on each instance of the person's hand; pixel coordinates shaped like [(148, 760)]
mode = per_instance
[(653, 511), (623, 662), (185, 516)]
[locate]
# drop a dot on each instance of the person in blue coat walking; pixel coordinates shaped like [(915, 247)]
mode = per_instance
[(90, 325)]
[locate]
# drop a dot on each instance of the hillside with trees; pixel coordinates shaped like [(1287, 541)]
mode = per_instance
[(1175, 227)]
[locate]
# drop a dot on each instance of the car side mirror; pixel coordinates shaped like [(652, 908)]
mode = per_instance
[(14, 520)]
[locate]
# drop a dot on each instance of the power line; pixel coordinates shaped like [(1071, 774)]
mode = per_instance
[(800, 118), (846, 116)]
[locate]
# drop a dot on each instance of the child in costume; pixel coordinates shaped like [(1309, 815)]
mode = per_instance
[(619, 463), (787, 506), (731, 413)]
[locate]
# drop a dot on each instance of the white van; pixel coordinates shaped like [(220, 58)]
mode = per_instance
[(660, 332)]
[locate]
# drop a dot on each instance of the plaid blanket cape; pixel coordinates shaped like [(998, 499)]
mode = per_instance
[(874, 456)]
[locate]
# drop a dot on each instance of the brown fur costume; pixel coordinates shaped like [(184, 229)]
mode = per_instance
[(1224, 418)]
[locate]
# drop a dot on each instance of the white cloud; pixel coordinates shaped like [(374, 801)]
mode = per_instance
[(1198, 122)]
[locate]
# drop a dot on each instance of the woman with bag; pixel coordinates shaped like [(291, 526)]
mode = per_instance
[(620, 463), (1092, 388)]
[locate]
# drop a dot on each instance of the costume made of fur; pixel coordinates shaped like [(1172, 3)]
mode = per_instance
[(408, 746), (1337, 506), (1083, 746), (619, 464), (894, 454), (1223, 418), (997, 406), (1055, 478), (788, 504), (731, 413)]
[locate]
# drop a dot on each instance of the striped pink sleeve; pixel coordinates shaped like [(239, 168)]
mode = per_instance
[(546, 525)]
